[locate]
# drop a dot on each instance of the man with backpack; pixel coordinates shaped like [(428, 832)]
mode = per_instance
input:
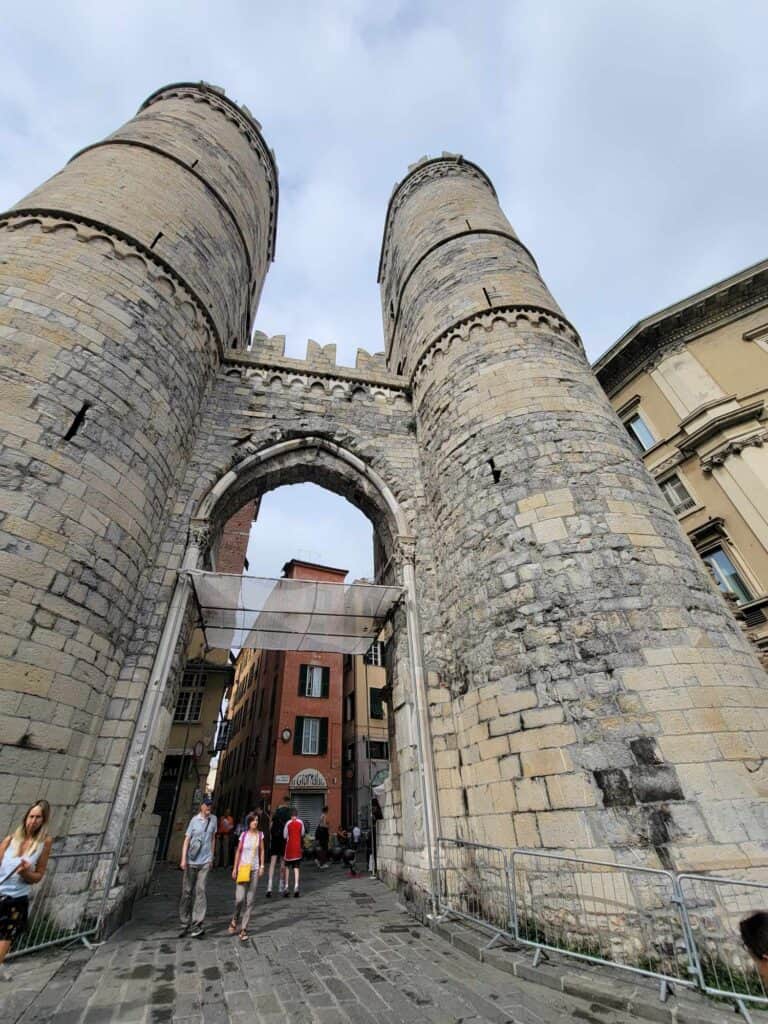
[(196, 860)]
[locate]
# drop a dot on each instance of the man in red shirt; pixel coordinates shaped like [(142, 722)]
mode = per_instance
[(293, 835)]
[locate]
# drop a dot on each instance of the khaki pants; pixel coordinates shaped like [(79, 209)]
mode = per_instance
[(244, 894), (193, 903)]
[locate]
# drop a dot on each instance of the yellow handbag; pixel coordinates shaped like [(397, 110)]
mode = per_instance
[(243, 874)]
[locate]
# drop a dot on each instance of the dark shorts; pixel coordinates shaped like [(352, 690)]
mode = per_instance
[(322, 837), (13, 916), (290, 863), (276, 845)]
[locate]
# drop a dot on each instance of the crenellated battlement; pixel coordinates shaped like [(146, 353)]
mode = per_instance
[(320, 362)]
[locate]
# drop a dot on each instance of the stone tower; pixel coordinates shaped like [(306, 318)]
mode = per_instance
[(122, 280), (602, 695)]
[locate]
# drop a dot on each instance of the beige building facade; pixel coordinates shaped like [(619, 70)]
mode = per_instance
[(365, 733), (690, 384)]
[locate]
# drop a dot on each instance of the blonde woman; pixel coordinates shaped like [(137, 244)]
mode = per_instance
[(248, 869), (23, 859)]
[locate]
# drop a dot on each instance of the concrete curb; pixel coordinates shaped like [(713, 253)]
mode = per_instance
[(604, 986)]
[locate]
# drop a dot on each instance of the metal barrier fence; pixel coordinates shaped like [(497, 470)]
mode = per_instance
[(613, 914), (713, 907), (473, 883), (678, 929), (69, 902)]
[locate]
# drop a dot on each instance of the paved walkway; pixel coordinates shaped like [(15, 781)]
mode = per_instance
[(344, 953)]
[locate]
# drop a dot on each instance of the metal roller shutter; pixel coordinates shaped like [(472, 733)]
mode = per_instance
[(310, 807)]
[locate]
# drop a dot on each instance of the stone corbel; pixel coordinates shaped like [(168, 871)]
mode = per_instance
[(405, 551), (734, 447), (201, 534)]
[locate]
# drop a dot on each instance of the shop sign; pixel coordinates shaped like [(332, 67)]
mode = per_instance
[(281, 780), (309, 778)]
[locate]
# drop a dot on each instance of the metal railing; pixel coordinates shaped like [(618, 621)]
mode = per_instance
[(713, 907), (612, 914), (473, 883), (679, 929), (69, 901)]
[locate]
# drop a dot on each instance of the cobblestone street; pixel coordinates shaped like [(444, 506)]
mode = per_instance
[(343, 952)]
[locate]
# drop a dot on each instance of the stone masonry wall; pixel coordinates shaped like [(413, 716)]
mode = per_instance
[(601, 696), (111, 327)]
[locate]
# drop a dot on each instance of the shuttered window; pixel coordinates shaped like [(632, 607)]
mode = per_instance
[(310, 736), (314, 680)]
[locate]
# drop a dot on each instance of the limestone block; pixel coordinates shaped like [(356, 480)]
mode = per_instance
[(545, 762), (563, 829), (531, 795)]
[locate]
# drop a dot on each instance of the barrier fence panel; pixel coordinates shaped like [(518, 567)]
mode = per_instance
[(713, 907), (614, 914), (473, 883), (68, 903)]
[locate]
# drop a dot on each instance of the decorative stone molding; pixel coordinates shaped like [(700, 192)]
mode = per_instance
[(734, 447), (405, 551), (201, 534), (645, 345), (248, 126), (533, 317), (124, 246), (339, 382)]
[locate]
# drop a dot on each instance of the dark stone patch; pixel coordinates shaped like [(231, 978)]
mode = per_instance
[(142, 971), (644, 750), (656, 783), (370, 975), (211, 973), (162, 994), (615, 787)]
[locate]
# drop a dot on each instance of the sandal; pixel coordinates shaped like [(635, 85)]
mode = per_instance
[(232, 928), (243, 936)]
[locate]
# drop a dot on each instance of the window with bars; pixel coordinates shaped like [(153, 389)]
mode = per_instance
[(376, 702), (675, 492), (726, 575), (314, 680), (375, 654), (640, 432), (310, 736)]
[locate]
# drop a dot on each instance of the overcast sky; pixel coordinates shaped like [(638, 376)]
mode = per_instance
[(626, 141)]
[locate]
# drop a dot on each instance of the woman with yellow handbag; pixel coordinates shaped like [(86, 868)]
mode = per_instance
[(248, 869)]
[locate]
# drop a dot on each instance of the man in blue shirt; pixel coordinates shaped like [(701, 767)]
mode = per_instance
[(196, 860)]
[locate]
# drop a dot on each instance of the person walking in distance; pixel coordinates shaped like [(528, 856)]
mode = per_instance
[(277, 842), (293, 835), (225, 832), (23, 859), (356, 834), (248, 869), (196, 860), (322, 836)]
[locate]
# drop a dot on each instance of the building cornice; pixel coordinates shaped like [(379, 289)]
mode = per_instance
[(676, 325)]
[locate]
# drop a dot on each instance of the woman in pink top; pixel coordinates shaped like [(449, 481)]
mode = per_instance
[(293, 833)]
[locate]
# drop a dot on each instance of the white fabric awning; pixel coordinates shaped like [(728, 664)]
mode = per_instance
[(289, 614)]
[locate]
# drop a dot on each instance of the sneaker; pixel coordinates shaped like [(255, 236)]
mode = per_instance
[(268, 893), (296, 893), (183, 930), (197, 932), (285, 892)]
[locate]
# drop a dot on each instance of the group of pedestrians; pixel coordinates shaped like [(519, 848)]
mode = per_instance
[(286, 837)]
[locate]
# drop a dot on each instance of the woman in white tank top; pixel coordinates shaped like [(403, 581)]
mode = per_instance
[(23, 860), (249, 861)]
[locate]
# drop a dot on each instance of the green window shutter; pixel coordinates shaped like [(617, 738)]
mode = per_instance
[(322, 748), (298, 733), (326, 682), (303, 679)]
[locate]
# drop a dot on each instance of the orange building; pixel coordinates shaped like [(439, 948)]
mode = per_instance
[(286, 732)]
